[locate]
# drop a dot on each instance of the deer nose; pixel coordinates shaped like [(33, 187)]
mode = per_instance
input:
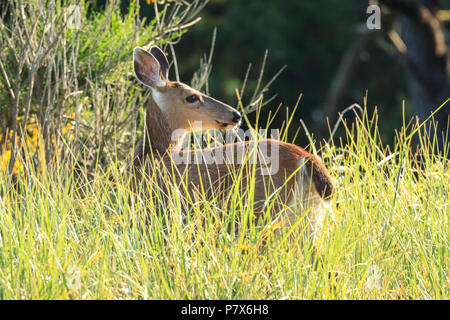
[(236, 117)]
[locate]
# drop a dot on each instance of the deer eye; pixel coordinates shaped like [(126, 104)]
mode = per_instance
[(192, 99)]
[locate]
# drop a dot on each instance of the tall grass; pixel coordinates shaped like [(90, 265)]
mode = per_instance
[(67, 234)]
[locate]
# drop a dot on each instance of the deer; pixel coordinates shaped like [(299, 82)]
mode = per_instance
[(302, 182)]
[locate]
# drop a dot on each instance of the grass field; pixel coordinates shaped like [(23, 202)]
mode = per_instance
[(388, 239)]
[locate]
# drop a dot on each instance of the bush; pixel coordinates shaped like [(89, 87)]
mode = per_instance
[(66, 70)]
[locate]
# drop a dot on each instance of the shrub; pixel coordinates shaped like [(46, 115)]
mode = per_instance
[(64, 65)]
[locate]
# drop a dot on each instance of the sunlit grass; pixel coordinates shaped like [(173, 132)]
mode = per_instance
[(67, 234)]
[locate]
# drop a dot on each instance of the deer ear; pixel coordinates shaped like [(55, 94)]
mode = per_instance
[(162, 59), (147, 68)]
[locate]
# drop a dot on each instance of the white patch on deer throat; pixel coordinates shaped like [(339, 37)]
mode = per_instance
[(158, 97)]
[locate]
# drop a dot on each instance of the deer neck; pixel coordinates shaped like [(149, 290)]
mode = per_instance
[(158, 131)]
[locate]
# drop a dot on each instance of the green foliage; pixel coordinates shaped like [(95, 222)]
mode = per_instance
[(106, 40)]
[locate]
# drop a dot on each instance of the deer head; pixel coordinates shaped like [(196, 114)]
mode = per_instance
[(181, 105)]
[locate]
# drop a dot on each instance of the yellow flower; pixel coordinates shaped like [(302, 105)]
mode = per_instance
[(18, 167), (4, 160)]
